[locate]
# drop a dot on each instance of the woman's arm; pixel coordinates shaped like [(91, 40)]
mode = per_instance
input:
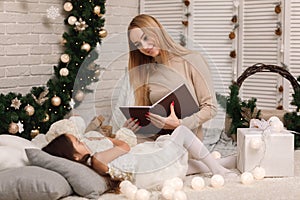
[(101, 159)]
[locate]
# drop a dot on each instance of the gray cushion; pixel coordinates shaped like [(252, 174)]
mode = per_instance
[(32, 182), (84, 181)]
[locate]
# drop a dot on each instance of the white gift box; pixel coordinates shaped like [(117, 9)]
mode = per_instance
[(272, 151)]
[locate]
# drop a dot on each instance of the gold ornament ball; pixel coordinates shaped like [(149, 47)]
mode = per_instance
[(55, 101), (34, 133), (64, 71), (97, 73), (72, 20), (65, 58), (86, 47), (13, 128), (97, 10), (68, 6), (102, 33), (79, 95), (47, 118), (29, 110)]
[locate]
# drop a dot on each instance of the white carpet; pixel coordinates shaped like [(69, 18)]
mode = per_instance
[(287, 188)]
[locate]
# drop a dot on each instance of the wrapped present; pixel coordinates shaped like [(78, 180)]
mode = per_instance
[(268, 146)]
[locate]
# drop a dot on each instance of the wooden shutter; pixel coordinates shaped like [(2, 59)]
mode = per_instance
[(292, 44), (210, 26), (168, 12), (259, 43)]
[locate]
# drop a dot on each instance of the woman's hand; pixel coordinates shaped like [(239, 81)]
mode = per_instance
[(170, 122), (132, 124)]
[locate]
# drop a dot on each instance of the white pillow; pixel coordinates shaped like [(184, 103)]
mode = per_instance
[(12, 151), (11, 157), (16, 141)]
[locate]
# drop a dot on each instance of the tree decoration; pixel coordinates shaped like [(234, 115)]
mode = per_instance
[(86, 47), (29, 110), (64, 71), (56, 101), (185, 23), (65, 58), (15, 103), (72, 20), (13, 128), (68, 6), (102, 33), (80, 25), (277, 9), (33, 113)]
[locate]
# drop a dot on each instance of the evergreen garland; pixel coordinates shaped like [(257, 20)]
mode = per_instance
[(33, 113), (240, 112)]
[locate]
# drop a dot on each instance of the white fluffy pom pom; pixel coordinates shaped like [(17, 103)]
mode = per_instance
[(273, 119), (216, 155), (277, 126), (130, 192), (142, 194), (167, 192), (197, 183), (259, 173), (217, 181), (127, 136), (255, 143), (247, 178), (179, 195)]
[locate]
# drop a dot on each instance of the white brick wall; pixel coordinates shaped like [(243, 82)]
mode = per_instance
[(30, 46)]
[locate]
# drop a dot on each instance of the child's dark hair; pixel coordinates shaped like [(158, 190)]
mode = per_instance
[(63, 147)]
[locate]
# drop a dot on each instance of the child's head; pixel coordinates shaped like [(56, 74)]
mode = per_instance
[(69, 147)]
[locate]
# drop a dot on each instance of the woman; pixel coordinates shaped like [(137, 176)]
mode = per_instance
[(147, 164), (157, 65)]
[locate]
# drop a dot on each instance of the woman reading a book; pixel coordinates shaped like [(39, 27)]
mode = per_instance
[(157, 65), (147, 164)]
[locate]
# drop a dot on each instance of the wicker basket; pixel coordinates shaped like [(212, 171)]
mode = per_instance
[(260, 67)]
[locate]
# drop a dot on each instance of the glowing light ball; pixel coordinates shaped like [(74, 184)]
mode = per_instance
[(142, 194), (217, 181), (259, 173), (167, 192), (197, 183), (179, 195), (247, 178), (216, 154)]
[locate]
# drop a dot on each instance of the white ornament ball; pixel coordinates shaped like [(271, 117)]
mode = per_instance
[(65, 58), (130, 192), (259, 173), (176, 183), (216, 155), (217, 181), (167, 192), (247, 178), (68, 6), (79, 95), (97, 9), (64, 71), (72, 20), (123, 186), (142, 194), (86, 47), (198, 183), (179, 195), (255, 143)]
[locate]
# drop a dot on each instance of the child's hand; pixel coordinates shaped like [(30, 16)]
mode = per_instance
[(132, 124)]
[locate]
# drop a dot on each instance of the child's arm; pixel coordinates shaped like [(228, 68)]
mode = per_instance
[(101, 159)]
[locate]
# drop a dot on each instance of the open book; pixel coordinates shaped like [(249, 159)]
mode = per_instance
[(184, 105)]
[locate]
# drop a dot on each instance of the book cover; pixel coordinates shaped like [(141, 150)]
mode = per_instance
[(184, 105)]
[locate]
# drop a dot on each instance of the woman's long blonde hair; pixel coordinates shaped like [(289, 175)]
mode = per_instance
[(139, 63)]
